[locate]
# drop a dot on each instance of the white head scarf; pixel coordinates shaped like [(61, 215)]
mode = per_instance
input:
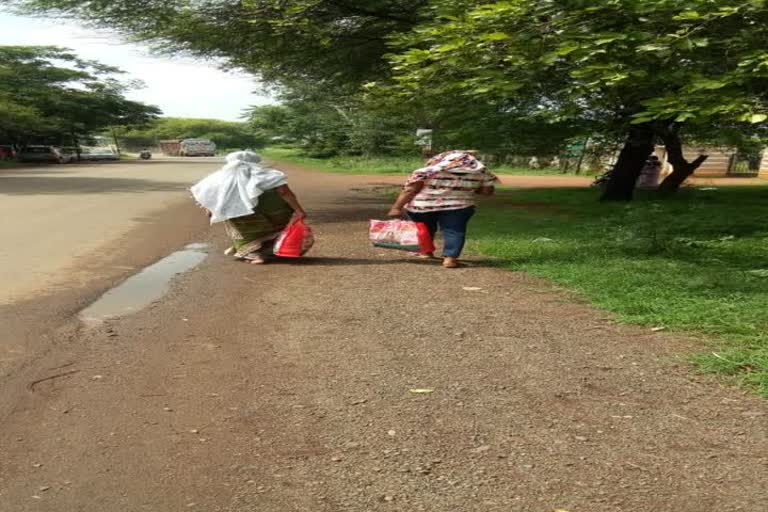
[(233, 191)]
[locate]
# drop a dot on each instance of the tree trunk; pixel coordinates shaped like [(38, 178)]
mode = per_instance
[(76, 144), (114, 137), (623, 179), (681, 168)]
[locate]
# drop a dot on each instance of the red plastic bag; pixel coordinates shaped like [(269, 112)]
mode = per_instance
[(295, 241), (404, 235)]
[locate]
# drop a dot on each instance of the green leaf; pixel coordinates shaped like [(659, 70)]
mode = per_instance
[(707, 85), (688, 15), (684, 117), (550, 58), (653, 47), (605, 40), (700, 42), (758, 118), (685, 44), (567, 49), (494, 36), (448, 47), (643, 118)]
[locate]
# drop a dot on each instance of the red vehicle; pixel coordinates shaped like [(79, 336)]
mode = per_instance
[(7, 152)]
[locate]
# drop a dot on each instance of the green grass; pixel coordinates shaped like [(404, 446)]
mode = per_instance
[(346, 164), (392, 165), (696, 263)]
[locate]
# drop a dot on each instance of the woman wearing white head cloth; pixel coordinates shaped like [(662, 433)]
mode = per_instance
[(254, 203)]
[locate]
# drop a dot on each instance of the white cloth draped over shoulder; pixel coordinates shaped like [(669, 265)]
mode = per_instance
[(233, 191)]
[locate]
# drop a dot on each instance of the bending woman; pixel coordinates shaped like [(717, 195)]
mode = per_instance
[(254, 203)]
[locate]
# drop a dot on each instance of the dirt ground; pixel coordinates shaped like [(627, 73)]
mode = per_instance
[(290, 387)]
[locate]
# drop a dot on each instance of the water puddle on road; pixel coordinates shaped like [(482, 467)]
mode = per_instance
[(144, 288)]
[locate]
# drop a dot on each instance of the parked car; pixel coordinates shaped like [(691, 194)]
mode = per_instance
[(99, 153), (44, 154), (69, 154), (7, 152)]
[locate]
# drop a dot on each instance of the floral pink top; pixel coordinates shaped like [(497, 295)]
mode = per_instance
[(451, 181)]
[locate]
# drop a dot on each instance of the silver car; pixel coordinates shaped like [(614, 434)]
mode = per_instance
[(44, 154), (100, 153)]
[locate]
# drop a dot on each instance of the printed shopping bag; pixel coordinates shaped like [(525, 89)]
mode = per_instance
[(404, 235), (295, 241)]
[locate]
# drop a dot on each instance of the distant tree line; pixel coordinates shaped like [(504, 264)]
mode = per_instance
[(48, 95), (226, 134)]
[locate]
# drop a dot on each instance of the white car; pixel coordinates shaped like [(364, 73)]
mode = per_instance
[(99, 153)]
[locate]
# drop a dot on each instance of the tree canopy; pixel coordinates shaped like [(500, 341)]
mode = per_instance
[(699, 61), (640, 66), (342, 41), (49, 95), (506, 75)]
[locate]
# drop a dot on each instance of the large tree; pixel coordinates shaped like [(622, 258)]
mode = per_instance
[(648, 68), (49, 95)]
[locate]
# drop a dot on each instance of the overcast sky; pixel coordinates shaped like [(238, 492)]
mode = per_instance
[(181, 87)]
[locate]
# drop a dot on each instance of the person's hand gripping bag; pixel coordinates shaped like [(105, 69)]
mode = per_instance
[(295, 241), (403, 235)]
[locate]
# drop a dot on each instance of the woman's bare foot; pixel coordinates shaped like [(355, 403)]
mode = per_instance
[(229, 252), (426, 256), (451, 262), (256, 261)]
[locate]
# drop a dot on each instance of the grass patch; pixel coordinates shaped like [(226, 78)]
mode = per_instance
[(389, 165), (696, 262), (346, 164)]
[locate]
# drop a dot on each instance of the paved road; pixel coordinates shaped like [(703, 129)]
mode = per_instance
[(289, 387), (53, 215)]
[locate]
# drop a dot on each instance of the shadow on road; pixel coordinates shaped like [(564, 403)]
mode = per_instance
[(25, 168), (39, 185), (406, 259)]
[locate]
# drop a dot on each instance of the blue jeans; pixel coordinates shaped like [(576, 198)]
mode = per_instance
[(453, 224)]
